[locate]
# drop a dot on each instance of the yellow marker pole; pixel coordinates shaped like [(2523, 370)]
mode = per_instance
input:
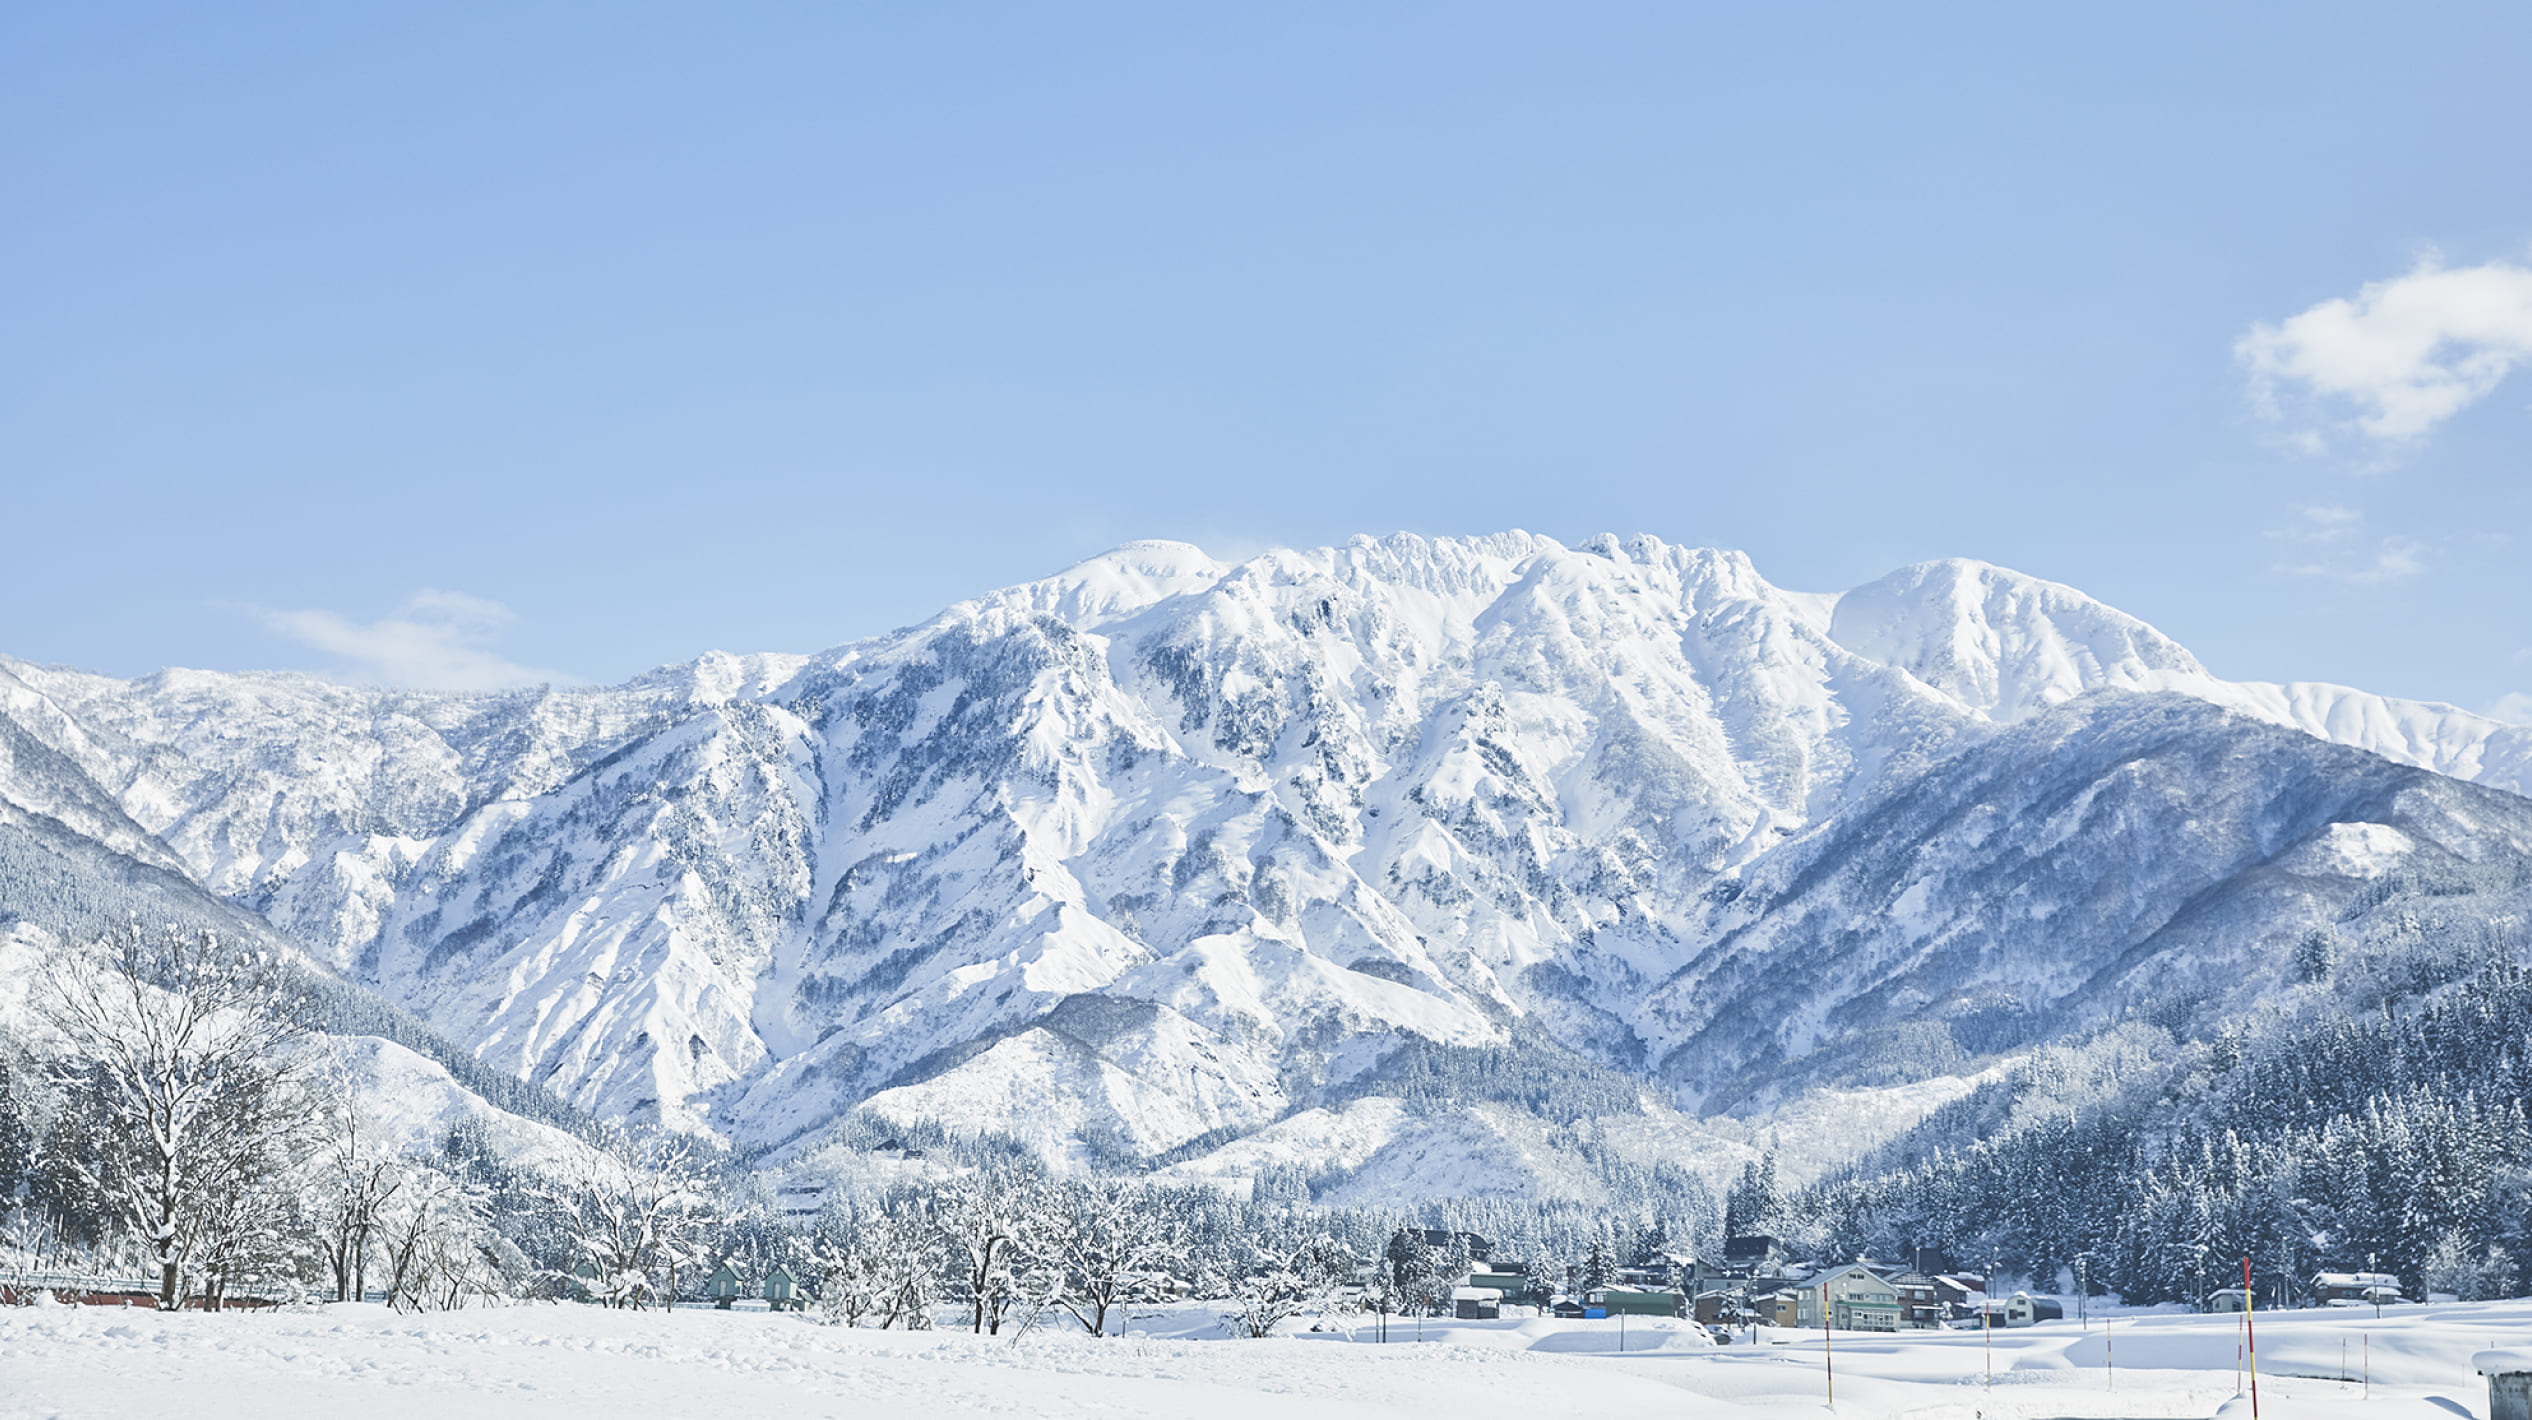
[(1828, 1347)]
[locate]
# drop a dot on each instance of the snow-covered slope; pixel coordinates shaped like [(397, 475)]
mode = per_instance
[(1164, 849)]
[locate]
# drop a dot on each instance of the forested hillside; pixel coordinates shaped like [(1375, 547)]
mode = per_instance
[(2393, 1138)]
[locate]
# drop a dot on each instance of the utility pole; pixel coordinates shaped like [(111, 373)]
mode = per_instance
[(1987, 1318)]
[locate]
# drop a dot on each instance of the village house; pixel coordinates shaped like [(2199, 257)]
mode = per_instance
[(1753, 1253), (779, 1289), (2356, 1289), (1921, 1304), (801, 1200), (1850, 1298), (1507, 1280), (1441, 1239)]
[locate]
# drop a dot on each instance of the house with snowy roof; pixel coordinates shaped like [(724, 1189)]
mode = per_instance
[(1921, 1304), (2356, 1289), (1442, 1238), (1851, 1298)]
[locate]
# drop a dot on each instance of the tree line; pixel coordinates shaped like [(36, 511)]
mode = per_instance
[(192, 1123), (189, 1121)]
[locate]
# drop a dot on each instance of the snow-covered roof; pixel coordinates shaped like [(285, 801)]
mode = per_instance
[(2354, 1279), (2514, 1361), (1846, 1268)]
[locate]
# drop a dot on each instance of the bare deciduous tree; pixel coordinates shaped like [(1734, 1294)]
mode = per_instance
[(438, 1249), (357, 1182), (1110, 1244), (194, 1045), (983, 1214), (1282, 1283), (635, 1215)]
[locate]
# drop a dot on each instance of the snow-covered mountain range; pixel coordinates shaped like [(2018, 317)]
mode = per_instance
[(1147, 856)]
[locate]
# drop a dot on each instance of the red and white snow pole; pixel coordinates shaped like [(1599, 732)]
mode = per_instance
[(2250, 1334)]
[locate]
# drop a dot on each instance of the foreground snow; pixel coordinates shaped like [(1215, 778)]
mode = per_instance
[(564, 1363)]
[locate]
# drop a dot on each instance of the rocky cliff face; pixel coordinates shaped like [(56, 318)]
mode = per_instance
[(1162, 849)]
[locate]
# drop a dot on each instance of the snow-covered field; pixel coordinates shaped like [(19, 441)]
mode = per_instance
[(570, 1362)]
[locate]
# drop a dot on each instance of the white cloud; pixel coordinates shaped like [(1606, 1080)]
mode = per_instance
[(435, 641), (2394, 558), (2325, 525), (2333, 539), (2514, 709), (2399, 357)]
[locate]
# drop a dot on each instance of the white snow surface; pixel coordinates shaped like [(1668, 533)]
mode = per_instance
[(1143, 852), (569, 1362)]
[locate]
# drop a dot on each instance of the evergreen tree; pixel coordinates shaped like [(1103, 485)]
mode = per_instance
[(17, 1140)]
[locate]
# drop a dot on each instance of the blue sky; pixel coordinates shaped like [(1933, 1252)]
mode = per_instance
[(577, 339)]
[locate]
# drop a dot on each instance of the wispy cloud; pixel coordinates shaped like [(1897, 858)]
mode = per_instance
[(2325, 524), (2395, 360), (2330, 541), (2514, 709), (435, 641), (2394, 558)]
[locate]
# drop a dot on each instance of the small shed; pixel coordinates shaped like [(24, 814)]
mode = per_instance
[(724, 1286), (2023, 1309), (1632, 1302), (2509, 1376), (782, 1291), (1476, 1303), (2228, 1299)]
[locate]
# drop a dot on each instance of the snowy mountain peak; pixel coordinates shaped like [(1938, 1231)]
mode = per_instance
[(1118, 582), (2004, 645)]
